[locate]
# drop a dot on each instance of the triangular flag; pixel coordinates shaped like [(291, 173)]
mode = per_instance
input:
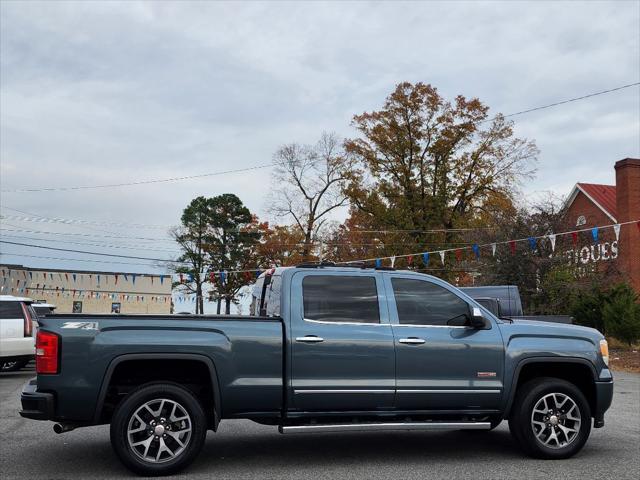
[(441, 252), (532, 243), (616, 229), (425, 259), (552, 239), (133, 278), (161, 279), (116, 278), (393, 261), (212, 277), (512, 246), (476, 250), (458, 253), (594, 234), (410, 260), (74, 277), (574, 238), (378, 263), (493, 249)]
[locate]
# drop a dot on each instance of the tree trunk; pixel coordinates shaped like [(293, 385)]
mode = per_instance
[(227, 306), (199, 300)]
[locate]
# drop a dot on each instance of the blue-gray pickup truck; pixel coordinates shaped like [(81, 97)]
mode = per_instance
[(325, 349)]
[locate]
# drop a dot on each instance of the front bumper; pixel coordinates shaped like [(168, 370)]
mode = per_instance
[(604, 396), (36, 405)]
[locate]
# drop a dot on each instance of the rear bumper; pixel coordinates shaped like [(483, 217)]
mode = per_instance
[(604, 396), (36, 405)]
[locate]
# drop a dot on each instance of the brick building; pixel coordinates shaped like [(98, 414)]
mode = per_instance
[(590, 205), (79, 291)]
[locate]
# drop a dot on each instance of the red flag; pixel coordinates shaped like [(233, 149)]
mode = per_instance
[(212, 277), (66, 275), (247, 276), (458, 254), (638, 225), (410, 259), (116, 275), (574, 236), (512, 246), (181, 278)]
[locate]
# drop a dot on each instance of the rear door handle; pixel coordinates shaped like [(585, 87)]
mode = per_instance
[(310, 339), (412, 341)]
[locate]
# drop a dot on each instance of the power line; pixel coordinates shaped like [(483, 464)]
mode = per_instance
[(89, 253), (140, 182), (103, 245), (45, 232), (273, 164), (602, 92), (84, 260)]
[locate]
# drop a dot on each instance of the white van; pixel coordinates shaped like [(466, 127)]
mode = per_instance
[(18, 321)]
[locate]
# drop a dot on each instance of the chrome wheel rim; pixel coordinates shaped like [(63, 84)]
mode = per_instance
[(159, 430), (556, 420)]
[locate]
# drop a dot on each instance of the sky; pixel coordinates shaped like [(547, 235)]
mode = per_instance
[(107, 92)]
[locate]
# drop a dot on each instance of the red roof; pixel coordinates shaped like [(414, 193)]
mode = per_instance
[(603, 195)]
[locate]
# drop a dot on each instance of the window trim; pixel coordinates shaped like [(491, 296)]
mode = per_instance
[(382, 319)]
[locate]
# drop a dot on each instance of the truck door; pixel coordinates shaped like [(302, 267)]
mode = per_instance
[(441, 362), (342, 351)]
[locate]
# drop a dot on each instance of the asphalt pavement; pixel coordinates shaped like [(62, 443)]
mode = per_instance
[(245, 450)]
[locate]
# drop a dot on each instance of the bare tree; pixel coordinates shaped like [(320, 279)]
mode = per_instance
[(309, 183)]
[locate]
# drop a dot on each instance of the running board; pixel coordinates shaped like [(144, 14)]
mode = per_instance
[(366, 427)]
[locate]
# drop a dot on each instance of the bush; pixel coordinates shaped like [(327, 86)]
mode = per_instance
[(587, 308), (621, 314)]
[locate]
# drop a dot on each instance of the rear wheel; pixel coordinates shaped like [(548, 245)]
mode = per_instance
[(550, 419), (158, 429)]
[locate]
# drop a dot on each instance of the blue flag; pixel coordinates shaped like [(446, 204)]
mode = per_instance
[(378, 263), (425, 258), (594, 234), (532, 243), (476, 250)]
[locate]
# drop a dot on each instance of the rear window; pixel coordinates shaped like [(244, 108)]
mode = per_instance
[(332, 298), (10, 310)]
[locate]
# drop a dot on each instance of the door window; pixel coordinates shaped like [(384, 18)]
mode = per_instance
[(425, 303), (332, 298)]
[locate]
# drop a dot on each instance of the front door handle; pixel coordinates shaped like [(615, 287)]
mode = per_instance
[(412, 341), (310, 339)]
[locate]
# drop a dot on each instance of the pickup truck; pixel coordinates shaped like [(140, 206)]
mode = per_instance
[(332, 349)]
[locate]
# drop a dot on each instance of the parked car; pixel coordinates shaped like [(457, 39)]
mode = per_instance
[(44, 309), (504, 302), (17, 324), (333, 349)]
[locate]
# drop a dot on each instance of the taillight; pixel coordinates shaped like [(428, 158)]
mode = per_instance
[(47, 350), (28, 321)]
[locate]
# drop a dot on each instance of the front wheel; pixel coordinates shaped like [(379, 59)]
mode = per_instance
[(550, 419), (158, 429)]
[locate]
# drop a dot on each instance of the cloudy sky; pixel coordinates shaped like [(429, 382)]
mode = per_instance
[(106, 92)]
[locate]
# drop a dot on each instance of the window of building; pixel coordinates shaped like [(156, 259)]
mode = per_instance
[(424, 303), (332, 298)]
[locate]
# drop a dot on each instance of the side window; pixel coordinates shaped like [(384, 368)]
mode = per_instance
[(272, 301), (10, 310), (425, 303), (331, 298)]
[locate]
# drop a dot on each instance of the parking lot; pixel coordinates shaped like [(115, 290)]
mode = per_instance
[(242, 449)]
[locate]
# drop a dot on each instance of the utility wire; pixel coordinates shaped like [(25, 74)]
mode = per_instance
[(273, 164), (88, 252)]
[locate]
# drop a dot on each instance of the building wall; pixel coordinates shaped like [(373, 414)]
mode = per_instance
[(628, 207), (97, 291)]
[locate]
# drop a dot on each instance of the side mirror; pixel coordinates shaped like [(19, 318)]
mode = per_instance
[(477, 320)]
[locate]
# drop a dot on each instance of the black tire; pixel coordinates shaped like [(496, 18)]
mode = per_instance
[(154, 393), (13, 366), (553, 425)]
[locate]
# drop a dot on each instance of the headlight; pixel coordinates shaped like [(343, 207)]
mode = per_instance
[(604, 351)]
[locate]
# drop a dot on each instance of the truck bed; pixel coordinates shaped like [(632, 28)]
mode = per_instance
[(246, 352)]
